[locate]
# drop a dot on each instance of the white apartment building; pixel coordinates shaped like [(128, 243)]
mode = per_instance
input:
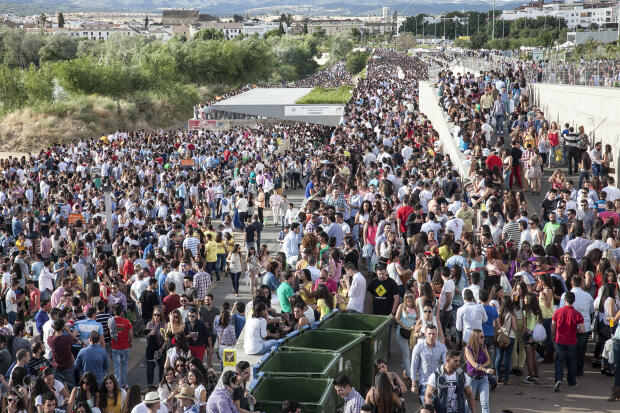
[(91, 31), (575, 15)]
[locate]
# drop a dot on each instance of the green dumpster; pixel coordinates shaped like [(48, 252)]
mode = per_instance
[(375, 345), (348, 344), (301, 364), (314, 395)]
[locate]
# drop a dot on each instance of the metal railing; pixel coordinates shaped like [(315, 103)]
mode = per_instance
[(592, 73)]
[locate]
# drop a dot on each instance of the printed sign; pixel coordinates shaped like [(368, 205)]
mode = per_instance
[(188, 162), (537, 55), (314, 110), (230, 357), (74, 218), (195, 124)]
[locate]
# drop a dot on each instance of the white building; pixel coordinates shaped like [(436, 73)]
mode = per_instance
[(91, 31), (575, 15)]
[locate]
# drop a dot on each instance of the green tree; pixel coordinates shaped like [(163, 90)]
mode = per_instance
[(19, 49), (341, 46), (12, 93), (146, 22), (280, 29), (209, 34), (356, 61), (58, 47), (237, 18), (61, 20), (305, 29), (39, 84)]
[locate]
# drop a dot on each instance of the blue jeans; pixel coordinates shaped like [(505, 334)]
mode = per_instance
[(11, 316), (506, 355), (66, 376), (617, 363), (120, 358), (565, 354), (421, 392), (234, 276), (584, 175), (546, 322), (404, 348), (582, 344), (212, 270), (220, 264), (482, 386), (267, 344), (596, 169)]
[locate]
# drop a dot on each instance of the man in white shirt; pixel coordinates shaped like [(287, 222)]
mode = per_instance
[(584, 303), (356, 284), (611, 190), (470, 316), (242, 207)]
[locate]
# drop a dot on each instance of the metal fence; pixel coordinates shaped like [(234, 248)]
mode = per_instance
[(592, 73)]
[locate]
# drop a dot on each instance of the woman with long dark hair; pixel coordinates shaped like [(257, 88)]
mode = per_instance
[(508, 325), (532, 316), (110, 396), (134, 397), (86, 391), (382, 396), (155, 346), (607, 310), (324, 300)]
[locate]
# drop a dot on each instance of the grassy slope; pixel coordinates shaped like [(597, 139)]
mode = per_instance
[(321, 95), (33, 129)]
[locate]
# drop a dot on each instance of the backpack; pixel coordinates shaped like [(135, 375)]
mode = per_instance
[(113, 328)]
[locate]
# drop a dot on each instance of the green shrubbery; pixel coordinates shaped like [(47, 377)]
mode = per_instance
[(321, 95), (356, 61)]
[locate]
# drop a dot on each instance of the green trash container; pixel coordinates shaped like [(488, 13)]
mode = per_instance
[(314, 395), (375, 345), (348, 344), (301, 364)]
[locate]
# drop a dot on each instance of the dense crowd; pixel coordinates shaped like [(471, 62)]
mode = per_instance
[(333, 76), (567, 252), (108, 239)]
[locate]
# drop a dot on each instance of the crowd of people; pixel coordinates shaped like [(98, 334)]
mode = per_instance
[(108, 239), (552, 273), (333, 76)]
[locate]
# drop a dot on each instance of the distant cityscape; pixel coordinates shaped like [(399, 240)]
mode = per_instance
[(592, 15)]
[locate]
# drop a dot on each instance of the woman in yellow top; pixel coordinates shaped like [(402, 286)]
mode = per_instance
[(110, 397), (305, 286), (530, 138), (260, 204), (342, 297), (220, 250), (229, 242), (532, 315), (324, 301), (211, 254), (445, 250)]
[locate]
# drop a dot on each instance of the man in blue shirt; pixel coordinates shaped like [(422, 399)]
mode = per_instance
[(42, 316), (93, 358), (87, 326)]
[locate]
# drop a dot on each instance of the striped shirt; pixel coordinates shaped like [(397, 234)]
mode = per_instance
[(353, 402), (192, 244), (572, 140), (512, 232), (202, 284)]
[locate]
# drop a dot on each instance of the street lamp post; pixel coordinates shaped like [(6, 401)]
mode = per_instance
[(493, 34), (107, 190)]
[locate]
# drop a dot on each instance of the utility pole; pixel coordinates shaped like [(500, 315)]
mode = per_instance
[(444, 28), (478, 29), (455, 22), (493, 34)]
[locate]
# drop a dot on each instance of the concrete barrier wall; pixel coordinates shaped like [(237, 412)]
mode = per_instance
[(596, 108), (429, 105)]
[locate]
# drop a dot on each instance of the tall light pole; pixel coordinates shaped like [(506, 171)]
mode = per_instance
[(493, 33)]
